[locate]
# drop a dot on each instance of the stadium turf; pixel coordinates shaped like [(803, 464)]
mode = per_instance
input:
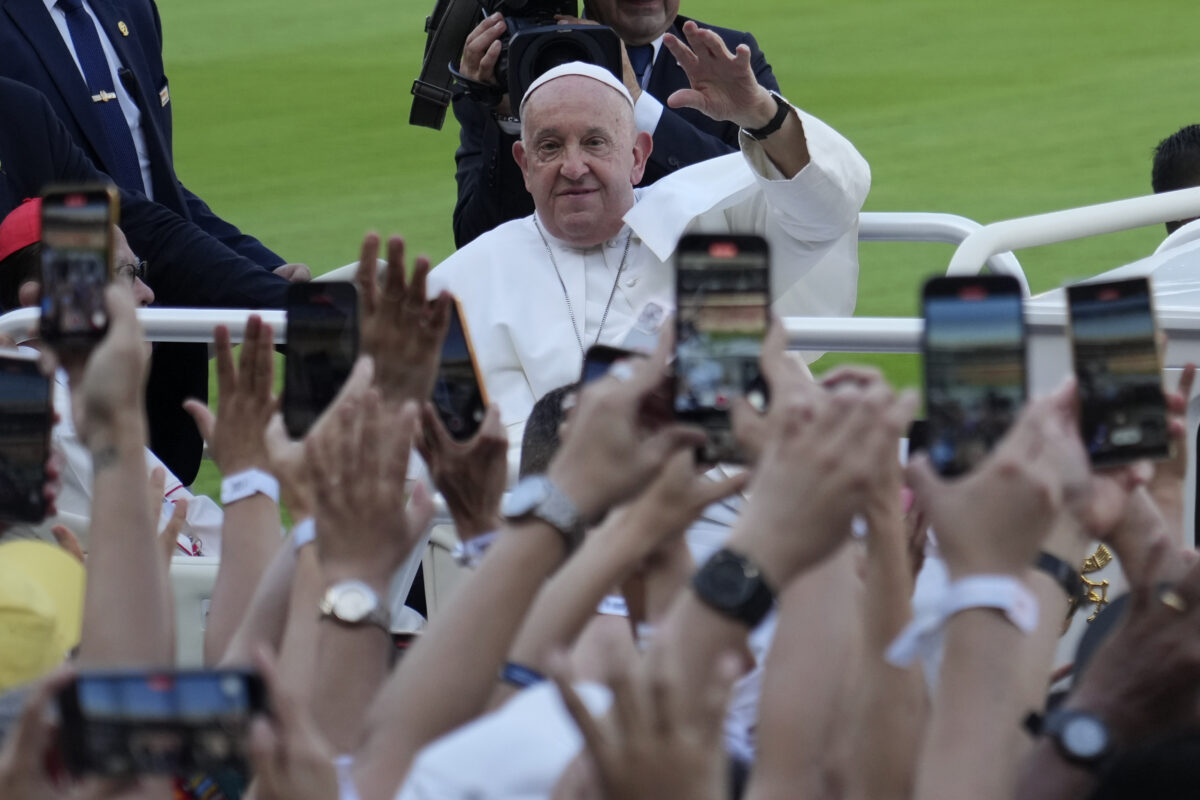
[(291, 119)]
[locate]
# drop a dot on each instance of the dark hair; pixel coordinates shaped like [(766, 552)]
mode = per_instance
[(1177, 160), (540, 442), (21, 266)]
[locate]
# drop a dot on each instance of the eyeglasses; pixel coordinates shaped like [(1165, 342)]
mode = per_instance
[(132, 272)]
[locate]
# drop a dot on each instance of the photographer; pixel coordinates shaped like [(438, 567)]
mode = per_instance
[(490, 186)]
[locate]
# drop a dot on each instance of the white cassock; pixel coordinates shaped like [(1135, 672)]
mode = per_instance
[(514, 303)]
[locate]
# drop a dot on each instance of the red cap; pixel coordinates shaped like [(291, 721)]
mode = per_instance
[(21, 228)]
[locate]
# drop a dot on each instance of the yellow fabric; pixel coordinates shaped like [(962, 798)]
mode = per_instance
[(41, 609)]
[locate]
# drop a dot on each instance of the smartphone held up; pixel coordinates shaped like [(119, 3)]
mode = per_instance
[(459, 396), (78, 225), (1114, 341), (974, 356), (322, 345), (125, 723), (722, 301)]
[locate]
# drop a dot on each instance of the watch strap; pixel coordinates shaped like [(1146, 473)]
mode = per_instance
[(248, 483), (776, 122), (555, 509), (1063, 574)]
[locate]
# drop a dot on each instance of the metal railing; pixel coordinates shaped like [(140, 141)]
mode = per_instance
[(928, 226), (1073, 223)]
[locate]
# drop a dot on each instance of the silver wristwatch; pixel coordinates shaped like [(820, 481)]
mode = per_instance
[(355, 603), (538, 498)]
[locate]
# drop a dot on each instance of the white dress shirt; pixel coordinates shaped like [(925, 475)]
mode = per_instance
[(133, 115)]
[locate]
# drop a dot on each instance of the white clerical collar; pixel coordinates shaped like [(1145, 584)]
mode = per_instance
[(614, 242)]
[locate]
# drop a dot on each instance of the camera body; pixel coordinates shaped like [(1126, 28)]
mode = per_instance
[(533, 43)]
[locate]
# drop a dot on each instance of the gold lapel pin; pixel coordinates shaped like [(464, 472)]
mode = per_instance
[(123, 28)]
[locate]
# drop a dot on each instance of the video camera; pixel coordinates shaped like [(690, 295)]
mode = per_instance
[(532, 44)]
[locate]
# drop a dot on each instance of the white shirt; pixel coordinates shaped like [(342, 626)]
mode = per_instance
[(133, 115), (517, 752), (599, 266)]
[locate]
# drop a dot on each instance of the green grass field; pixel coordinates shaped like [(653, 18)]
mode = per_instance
[(291, 118)]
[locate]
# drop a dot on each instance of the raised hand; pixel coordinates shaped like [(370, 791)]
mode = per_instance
[(657, 742), (825, 447), (471, 475), (245, 400), (358, 464), (398, 327), (1145, 679), (783, 374), (613, 445), (291, 759), (286, 455), (675, 498), (723, 83)]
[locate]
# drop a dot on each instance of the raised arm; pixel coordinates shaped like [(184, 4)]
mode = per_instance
[(610, 553), (236, 440), (358, 463), (125, 621), (606, 455), (991, 525)]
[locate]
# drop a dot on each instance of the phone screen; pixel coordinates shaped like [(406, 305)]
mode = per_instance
[(128, 723), (723, 288), (1123, 412), (77, 262), (458, 393), (322, 344), (25, 420), (974, 349)]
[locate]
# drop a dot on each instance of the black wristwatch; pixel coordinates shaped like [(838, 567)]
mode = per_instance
[(1081, 738), (731, 585), (1065, 575), (776, 122)]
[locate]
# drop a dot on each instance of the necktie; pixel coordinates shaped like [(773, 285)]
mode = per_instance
[(124, 168), (639, 58)]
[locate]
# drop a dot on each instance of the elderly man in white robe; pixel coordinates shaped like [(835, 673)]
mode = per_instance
[(596, 255)]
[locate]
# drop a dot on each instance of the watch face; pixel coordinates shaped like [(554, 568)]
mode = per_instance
[(353, 603), (1084, 737), (727, 583)]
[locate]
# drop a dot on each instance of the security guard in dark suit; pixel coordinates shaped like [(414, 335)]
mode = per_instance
[(99, 63)]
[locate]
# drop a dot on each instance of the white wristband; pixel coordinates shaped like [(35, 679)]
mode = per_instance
[(303, 532), (1001, 592), (248, 483), (613, 605), (470, 553)]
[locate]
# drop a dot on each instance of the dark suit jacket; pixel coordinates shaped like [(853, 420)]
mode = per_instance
[(491, 189), (35, 54), (187, 267)]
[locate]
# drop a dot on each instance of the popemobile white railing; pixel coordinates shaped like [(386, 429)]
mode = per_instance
[(979, 246)]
